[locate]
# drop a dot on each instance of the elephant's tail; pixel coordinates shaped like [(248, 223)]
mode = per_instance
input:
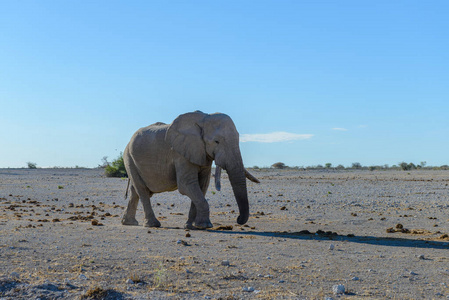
[(127, 189)]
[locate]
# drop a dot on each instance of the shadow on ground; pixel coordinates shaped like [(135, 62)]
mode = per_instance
[(327, 235)]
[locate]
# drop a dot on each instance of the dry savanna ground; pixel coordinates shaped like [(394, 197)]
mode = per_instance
[(380, 235)]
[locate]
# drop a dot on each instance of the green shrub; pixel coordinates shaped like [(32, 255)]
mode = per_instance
[(407, 166), (116, 168)]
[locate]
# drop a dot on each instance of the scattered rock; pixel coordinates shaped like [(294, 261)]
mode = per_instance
[(181, 242), (129, 281), (338, 289), (331, 247), (225, 263), (82, 277), (248, 289)]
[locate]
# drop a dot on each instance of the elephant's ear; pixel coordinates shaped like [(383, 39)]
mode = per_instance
[(185, 136)]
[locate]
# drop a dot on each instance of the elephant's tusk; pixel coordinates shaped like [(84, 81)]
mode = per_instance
[(217, 178), (250, 177)]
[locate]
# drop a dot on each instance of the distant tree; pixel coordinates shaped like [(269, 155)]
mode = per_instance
[(407, 166), (340, 167), (104, 162), (278, 165), (31, 165), (356, 165), (328, 165)]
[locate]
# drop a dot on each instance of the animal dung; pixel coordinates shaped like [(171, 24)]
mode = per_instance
[(96, 223)]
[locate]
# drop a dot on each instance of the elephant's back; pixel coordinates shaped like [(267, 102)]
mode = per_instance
[(153, 157), (150, 139)]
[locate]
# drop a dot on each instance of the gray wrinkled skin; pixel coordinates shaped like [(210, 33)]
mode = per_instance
[(163, 157)]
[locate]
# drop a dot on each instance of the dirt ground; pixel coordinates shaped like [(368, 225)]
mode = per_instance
[(379, 234)]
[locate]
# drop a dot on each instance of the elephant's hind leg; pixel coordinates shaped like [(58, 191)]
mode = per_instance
[(150, 218), (129, 217), (144, 194)]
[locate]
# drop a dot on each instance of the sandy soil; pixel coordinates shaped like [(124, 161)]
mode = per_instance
[(382, 235)]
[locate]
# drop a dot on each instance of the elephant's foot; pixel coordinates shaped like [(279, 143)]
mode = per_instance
[(152, 223), (189, 225), (202, 225), (129, 221)]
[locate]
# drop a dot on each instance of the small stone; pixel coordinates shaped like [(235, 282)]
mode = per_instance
[(338, 289), (248, 289), (129, 281), (268, 257), (413, 273), (281, 281), (355, 278), (188, 271), (268, 276), (188, 234), (225, 263), (331, 247), (82, 277), (182, 258), (421, 256), (14, 275)]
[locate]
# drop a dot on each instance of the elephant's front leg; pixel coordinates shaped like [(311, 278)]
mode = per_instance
[(199, 209), (204, 178), (192, 216)]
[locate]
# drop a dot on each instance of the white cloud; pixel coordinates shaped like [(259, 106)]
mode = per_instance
[(274, 137), (339, 129)]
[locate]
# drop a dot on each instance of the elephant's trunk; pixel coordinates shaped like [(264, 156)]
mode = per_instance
[(238, 182)]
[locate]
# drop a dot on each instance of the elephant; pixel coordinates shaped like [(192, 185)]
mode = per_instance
[(165, 157)]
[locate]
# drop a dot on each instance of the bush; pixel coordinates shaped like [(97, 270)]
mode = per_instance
[(116, 168), (31, 165)]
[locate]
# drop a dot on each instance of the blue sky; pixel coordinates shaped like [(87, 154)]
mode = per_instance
[(306, 82)]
